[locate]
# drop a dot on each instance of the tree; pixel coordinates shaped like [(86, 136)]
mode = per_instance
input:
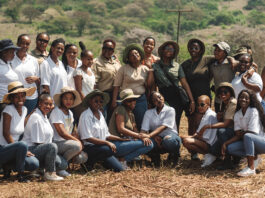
[(12, 13), (30, 13), (81, 20)]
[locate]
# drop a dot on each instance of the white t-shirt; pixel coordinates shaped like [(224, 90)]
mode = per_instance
[(38, 129), (166, 117), (90, 127), (53, 75), (208, 118), (57, 116), (239, 86), (70, 71), (7, 75), (24, 69), (16, 124), (248, 122), (88, 82)]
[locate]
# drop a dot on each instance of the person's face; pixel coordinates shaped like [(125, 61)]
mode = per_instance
[(87, 60), (158, 100), (244, 63), (58, 50), (202, 105), (46, 105), (108, 50), (149, 46), (71, 53), (134, 57), (195, 50), (219, 54), (24, 43), (249, 51), (96, 103), (244, 100), (42, 42), (169, 51), (224, 94), (18, 99), (130, 103), (68, 100)]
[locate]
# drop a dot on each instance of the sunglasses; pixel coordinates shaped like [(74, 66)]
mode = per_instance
[(223, 92), (43, 40), (108, 48), (170, 49), (201, 105)]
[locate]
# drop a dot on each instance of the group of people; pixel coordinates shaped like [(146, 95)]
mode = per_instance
[(94, 110)]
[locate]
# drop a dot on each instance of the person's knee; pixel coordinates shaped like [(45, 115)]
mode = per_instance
[(52, 148), (31, 163), (247, 137), (22, 146), (170, 143)]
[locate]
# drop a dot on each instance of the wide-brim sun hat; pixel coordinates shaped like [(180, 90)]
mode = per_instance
[(6, 44), (17, 87), (93, 93), (162, 47), (228, 86), (129, 48), (127, 94), (57, 97), (194, 40)]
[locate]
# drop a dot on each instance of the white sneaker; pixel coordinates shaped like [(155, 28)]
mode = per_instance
[(124, 165), (51, 176), (208, 160), (246, 172), (257, 162), (63, 173)]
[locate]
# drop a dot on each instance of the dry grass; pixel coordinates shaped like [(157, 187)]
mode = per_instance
[(187, 180)]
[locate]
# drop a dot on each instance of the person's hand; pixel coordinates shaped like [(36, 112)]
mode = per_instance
[(220, 116), (250, 72), (112, 146), (143, 135), (244, 78), (81, 145), (203, 129), (223, 150), (147, 141), (29, 154), (158, 140), (240, 133), (192, 107), (113, 106), (31, 79)]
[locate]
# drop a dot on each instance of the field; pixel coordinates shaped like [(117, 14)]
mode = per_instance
[(187, 180)]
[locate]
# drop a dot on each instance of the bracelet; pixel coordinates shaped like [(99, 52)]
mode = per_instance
[(151, 70)]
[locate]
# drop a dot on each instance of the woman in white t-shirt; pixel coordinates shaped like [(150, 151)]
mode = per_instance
[(249, 140), (159, 124), (62, 121), (27, 69), (71, 63), (53, 74), (38, 135), (12, 128)]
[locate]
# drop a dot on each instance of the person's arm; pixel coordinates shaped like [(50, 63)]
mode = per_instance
[(186, 86), (150, 82), (115, 138), (157, 131), (78, 85), (59, 127), (262, 93), (249, 85), (230, 141), (46, 89), (114, 97), (97, 141), (233, 62), (217, 125), (6, 128)]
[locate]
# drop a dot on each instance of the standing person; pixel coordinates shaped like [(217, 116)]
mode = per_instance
[(134, 76), (7, 75), (249, 139), (14, 153), (27, 69), (38, 136), (105, 68), (166, 72), (53, 74), (71, 63), (40, 52), (149, 58), (62, 121)]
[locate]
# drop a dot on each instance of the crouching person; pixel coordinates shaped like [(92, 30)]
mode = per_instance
[(204, 137), (159, 124)]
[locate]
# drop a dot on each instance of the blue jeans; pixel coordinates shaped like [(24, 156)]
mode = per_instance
[(263, 104), (131, 149), (103, 153), (14, 152), (223, 134), (31, 105), (251, 145), (139, 110)]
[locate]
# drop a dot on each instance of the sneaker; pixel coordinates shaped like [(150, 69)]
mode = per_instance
[(63, 173), (246, 172), (124, 165), (195, 157), (51, 176), (208, 160), (257, 162)]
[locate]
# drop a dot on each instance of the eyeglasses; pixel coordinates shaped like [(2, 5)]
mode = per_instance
[(43, 40), (108, 48), (223, 92), (170, 49), (201, 105)]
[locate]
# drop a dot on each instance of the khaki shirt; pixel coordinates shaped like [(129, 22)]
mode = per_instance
[(40, 57), (132, 78), (105, 72)]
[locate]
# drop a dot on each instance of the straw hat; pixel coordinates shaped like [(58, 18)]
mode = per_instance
[(127, 94), (17, 87), (130, 48), (228, 86), (57, 97), (162, 48), (95, 92)]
